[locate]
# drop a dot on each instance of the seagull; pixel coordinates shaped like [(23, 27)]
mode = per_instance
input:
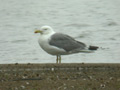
[(60, 44)]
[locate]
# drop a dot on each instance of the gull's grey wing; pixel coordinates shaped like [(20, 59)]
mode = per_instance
[(66, 42)]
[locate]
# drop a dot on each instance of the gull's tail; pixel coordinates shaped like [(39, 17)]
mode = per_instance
[(93, 47), (89, 49)]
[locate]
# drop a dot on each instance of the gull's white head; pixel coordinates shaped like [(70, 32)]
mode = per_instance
[(45, 30)]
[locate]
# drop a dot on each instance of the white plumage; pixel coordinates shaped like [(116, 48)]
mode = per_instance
[(59, 44)]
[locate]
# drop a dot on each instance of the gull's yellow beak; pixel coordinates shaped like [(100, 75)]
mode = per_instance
[(38, 31)]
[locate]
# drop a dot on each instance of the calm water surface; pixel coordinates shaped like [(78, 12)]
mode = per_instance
[(94, 22)]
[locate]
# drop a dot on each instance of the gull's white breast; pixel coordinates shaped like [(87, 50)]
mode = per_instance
[(44, 43)]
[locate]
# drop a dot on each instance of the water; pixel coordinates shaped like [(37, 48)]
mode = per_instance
[(94, 22)]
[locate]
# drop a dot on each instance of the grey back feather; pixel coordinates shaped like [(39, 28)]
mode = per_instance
[(66, 42)]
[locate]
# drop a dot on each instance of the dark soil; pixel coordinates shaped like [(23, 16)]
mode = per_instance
[(59, 76)]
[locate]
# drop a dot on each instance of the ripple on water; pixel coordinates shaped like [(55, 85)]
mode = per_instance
[(78, 25), (19, 41)]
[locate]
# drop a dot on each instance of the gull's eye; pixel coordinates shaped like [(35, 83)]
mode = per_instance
[(45, 29)]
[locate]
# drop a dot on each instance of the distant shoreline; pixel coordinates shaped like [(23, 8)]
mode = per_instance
[(43, 66), (60, 64)]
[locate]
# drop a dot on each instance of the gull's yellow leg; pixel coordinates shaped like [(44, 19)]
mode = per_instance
[(57, 59)]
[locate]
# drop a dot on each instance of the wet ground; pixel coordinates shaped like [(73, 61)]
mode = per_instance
[(59, 76)]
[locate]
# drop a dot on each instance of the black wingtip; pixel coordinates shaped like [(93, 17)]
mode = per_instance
[(93, 47)]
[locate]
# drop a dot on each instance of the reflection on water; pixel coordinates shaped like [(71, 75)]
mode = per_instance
[(93, 22), (19, 41)]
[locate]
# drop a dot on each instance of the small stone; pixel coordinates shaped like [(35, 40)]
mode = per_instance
[(23, 87), (27, 83), (102, 85)]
